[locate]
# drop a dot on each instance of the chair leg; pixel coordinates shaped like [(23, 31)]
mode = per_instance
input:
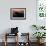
[(5, 40), (5, 43)]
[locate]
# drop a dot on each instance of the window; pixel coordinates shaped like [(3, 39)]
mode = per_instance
[(41, 8)]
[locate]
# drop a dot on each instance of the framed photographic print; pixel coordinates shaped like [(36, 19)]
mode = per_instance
[(17, 13)]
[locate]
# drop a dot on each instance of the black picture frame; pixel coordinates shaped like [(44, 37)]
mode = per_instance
[(17, 13)]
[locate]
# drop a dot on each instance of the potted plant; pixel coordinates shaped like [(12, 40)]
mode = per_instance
[(38, 27), (39, 35)]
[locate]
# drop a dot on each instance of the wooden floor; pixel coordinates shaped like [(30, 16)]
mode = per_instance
[(13, 44)]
